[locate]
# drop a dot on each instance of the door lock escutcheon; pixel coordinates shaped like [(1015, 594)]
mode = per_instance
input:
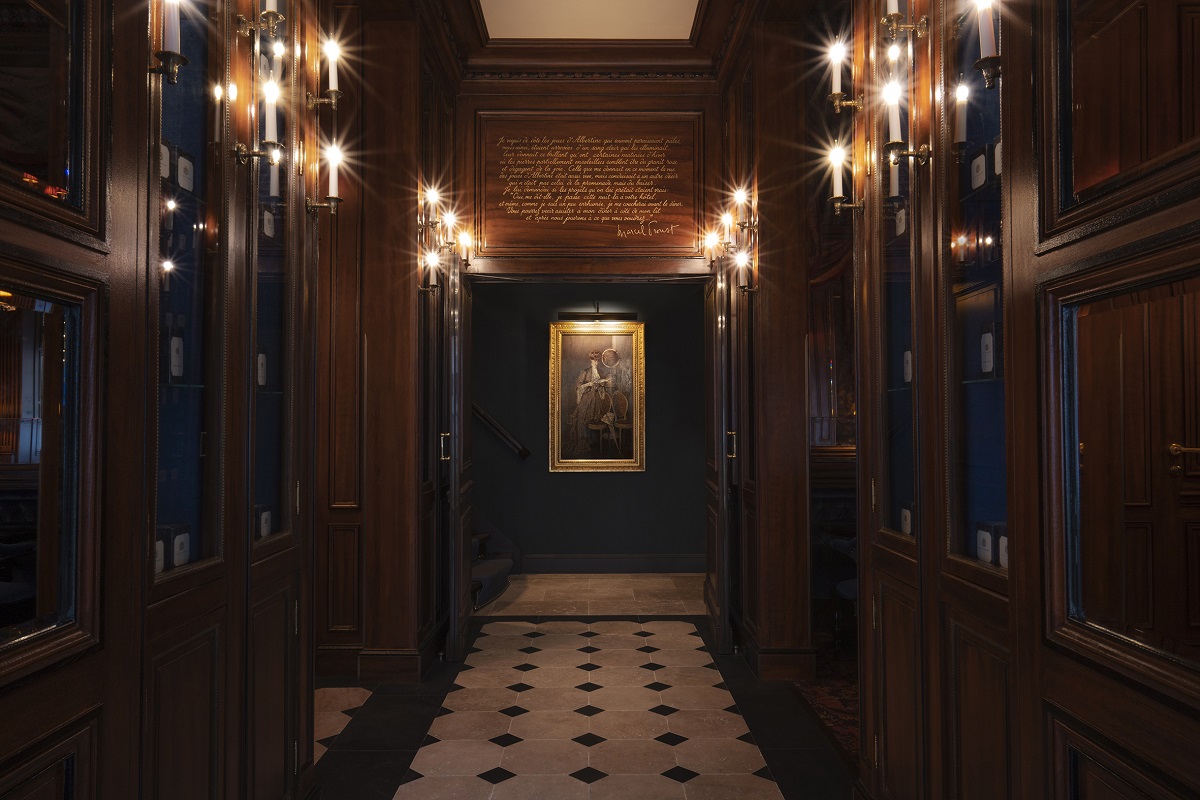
[(442, 439)]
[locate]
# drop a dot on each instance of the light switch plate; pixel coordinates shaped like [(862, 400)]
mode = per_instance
[(268, 225), (159, 559), (187, 174), (264, 525), (262, 369), (176, 356), (983, 545), (908, 366), (986, 353), (181, 549), (905, 521), (1004, 552), (979, 170)]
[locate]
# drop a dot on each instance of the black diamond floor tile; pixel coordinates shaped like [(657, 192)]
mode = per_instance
[(589, 686), (589, 739), (747, 738), (430, 739), (589, 775), (681, 774), (589, 667), (648, 649), (530, 649), (589, 711), (658, 686), (643, 634), (666, 711), (652, 666), (506, 739), (328, 740), (514, 711), (525, 667), (497, 775), (671, 739), (534, 634), (765, 773), (410, 776), (519, 687), (589, 634), (589, 649), (349, 712)]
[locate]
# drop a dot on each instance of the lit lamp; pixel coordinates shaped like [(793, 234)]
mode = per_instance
[(896, 147), (333, 157), (837, 54), (712, 246), (270, 139), (837, 160), (742, 270), (465, 248), (892, 21), (331, 94), (170, 57), (961, 95), (433, 265), (989, 58)]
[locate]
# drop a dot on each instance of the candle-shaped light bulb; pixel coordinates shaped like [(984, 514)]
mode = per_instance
[(171, 205), (988, 241), (893, 53), (270, 118), (171, 26), (273, 5), (742, 259), (332, 53), (218, 92), (837, 158), (333, 155), (961, 95), (464, 246), (893, 7), (891, 96), (277, 50), (837, 54), (987, 29), (167, 266), (727, 226), (276, 157), (711, 241), (449, 220)]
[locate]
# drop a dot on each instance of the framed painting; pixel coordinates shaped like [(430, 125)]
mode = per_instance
[(597, 397)]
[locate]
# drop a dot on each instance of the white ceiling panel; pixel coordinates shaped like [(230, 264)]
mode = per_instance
[(589, 19)]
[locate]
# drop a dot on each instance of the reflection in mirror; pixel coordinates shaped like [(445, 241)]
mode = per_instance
[(1132, 82), (1136, 446), (40, 66), (38, 415)]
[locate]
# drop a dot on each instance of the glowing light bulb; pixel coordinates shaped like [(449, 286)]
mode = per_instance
[(171, 204), (432, 196), (893, 53), (711, 240), (431, 259), (332, 51), (837, 156), (742, 258), (962, 241), (333, 154), (167, 266), (271, 92), (891, 93), (449, 219), (218, 92), (837, 52), (962, 92), (988, 241), (232, 92), (740, 197), (276, 156), (278, 49)]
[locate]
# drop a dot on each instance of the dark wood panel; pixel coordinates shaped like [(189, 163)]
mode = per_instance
[(979, 731), (65, 769), (184, 715), (343, 564), (271, 691), (1086, 767), (900, 749)]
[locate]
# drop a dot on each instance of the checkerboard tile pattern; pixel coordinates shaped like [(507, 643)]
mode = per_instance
[(570, 709), (332, 710)]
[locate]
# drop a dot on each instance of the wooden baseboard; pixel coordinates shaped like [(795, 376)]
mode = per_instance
[(779, 664), (336, 662), (612, 563)]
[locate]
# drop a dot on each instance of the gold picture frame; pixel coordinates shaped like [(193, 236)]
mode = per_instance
[(597, 397)]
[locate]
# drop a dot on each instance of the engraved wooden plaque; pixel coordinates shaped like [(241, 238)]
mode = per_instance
[(595, 184)]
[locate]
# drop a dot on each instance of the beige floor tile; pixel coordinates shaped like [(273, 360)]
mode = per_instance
[(719, 756), (480, 699), (457, 757), (552, 699), (622, 676), (688, 676), (541, 787), (669, 627), (507, 627), (683, 658), (470, 725), (599, 607), (668, 641), (631, 757), (554, 677), (544, 757), (548, 608), (664, 607), (707, 724), (503, 642), (560, 641), (328, 723), (339, 699), (562, 626), (731, 787), (620, 627), (629, 725), (318, 751), (636, 787), (617, 641), (496, 658), (445, 788), (564, 725), (488, 677), (620, 658), (556, 658), (696, 698), (624, 698)]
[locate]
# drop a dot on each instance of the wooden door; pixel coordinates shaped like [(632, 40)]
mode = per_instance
[(718, 461), (456, 455)]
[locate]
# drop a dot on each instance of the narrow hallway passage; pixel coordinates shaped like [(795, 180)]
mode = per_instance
[(602, 706)]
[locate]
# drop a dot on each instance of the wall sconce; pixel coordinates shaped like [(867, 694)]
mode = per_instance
[(271, 17), (892, 21), (837, 54), (989, 60), (433, 263), (837, 160), (439, 231), (170, 58), (896, 147), (962, 96), (330, 96), (742, 270), (333, 157)]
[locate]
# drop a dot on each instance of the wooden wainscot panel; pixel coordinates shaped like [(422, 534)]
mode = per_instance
[(979, 723), (604, 184), (1087, 768), (271, 689), (344, 597), (183, 711), (900, 751), (63, 770)]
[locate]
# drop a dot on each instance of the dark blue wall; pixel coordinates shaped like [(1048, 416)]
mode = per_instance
[(656, 512)]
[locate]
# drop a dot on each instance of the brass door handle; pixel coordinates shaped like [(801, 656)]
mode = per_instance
[(1178, 449), (442, 439)]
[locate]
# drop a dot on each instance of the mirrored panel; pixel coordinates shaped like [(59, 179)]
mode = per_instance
[(41, 65), (974, 301), (1133, 545), (39, 443), (272, 290), (1129, 91), (895, 75)]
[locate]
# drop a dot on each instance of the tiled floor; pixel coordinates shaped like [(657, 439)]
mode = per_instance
[(588, 707), (569, 595)]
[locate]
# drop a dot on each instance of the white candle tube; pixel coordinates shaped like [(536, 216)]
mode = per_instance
[(987, 30), (333, 178), (171, 26), (960, 117), (894, 122), (273, 5), (893, 7), (332, 53), (274, 192), (894, 180), (837, 180), (837, 77), (270, 122)]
